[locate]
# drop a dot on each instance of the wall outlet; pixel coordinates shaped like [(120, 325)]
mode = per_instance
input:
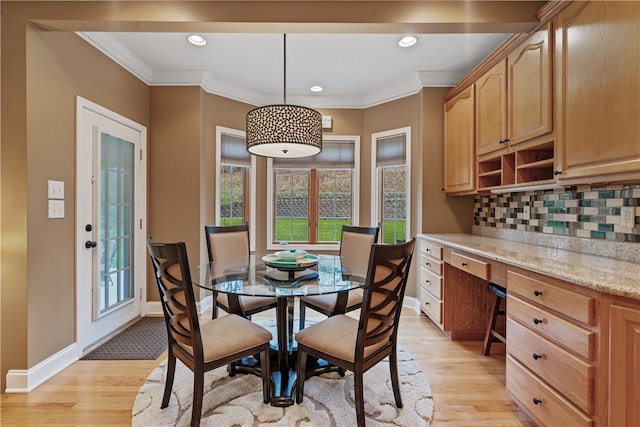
[(627, 216), (526, 212), (498, 212)]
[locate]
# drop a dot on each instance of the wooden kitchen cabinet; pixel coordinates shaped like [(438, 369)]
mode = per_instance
[(491, 109), (529, 71), (597, 64), (624, 364), (514, 98), (514, 143), (459, 144), (552, 354), (430, 280)]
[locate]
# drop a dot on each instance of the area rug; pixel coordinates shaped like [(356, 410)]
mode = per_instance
[(146, 339), (328, 401)]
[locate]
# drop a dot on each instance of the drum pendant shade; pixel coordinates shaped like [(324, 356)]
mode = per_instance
[(283, 130)]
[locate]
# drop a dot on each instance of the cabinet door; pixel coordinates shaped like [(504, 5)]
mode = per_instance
[(624, 371), (459, 158), (491, 109), (598, 90), (529, 106)]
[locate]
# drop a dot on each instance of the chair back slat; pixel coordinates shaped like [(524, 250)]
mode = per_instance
[(382, 301), (171, 268)]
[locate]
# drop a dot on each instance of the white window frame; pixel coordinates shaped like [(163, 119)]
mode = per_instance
[(252, 182), (375, 202), (355, 200)]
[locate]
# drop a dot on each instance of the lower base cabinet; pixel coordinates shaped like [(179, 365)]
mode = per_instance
[(552, 356), (624, 365)]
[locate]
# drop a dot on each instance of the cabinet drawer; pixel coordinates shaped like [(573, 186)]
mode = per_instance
[(473, 266), (431, 281), (572, 377), (431, 249), (431, 263), (548, 408), (431, 306), (580, 341), (577, 306)]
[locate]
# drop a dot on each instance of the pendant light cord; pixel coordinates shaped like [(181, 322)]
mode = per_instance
[(285, 69)]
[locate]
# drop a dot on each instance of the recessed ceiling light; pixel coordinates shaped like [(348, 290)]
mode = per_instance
[(316, 88), (408, 41), (197, 40)]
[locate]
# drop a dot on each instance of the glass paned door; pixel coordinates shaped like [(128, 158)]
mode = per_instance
[(115, 211)]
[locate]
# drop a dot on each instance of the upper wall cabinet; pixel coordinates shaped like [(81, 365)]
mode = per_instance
[(459, 145), (529, 91), (491, 109), (597, 57), (513, 99)]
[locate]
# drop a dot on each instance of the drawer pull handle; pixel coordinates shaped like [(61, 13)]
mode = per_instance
[(428, 264), (427, 281), (537, 292), (537, 321), (427, 303), (428, 250), (464, 264), (536, 401), (536, 356)]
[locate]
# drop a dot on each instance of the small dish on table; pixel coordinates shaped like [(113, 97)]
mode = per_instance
[(291, 261)]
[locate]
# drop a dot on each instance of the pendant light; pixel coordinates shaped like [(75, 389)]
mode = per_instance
[(282, 130)]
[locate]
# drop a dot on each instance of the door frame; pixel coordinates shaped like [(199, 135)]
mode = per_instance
[(140, 210)]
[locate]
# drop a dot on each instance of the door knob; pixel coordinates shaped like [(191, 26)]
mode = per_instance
[(90, 244)]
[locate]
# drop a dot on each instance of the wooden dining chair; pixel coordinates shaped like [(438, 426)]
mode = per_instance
[(355, 243), (359, 344), (226, 243), (201, 346)]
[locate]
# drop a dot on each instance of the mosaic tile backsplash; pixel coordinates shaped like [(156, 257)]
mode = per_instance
[(580, 211)]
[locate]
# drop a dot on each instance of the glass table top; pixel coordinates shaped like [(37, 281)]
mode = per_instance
[(255, 276)]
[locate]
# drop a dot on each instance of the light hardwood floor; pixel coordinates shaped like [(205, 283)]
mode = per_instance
[(468, 388)]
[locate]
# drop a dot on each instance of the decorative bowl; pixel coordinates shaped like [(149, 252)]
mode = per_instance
[(291, 254)]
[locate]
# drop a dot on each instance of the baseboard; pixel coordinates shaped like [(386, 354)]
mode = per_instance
[(23, 381), (153, 308), (411, 302)]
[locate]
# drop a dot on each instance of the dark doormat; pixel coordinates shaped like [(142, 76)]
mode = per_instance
[(144, 340)]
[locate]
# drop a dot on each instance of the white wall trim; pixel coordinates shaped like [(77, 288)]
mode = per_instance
[(25, 380)]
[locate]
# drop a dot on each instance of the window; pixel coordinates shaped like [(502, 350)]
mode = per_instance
[(390, 179), (311, 198), (235, 180)]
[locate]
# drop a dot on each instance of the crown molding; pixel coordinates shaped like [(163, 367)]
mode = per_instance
[(116, 51)]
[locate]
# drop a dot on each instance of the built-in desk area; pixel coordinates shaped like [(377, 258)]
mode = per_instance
[(572, 324)]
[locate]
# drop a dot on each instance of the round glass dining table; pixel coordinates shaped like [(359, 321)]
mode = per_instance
[(255, 275)]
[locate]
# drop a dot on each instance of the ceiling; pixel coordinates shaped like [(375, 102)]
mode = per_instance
[(355, 70)]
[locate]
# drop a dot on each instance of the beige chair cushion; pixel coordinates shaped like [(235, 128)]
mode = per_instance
[(248, 303), (335, 336), (328, 301), (228, 335)]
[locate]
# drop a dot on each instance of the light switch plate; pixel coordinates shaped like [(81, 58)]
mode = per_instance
[(627, 216), (55, 189), (498, 212), (56, 208), (526, 212), (327, 122)]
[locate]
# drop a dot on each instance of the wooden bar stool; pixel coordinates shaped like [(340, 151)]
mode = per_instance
[(492, 335)]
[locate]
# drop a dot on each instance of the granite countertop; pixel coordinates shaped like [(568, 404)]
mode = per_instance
[(602, 274)]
